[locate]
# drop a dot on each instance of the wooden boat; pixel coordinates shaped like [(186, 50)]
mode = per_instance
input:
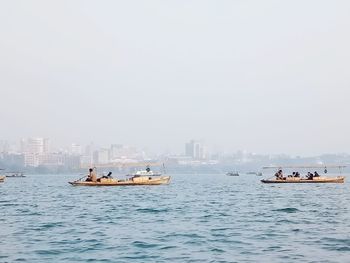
[(310, 178), (2, 178), (92, 180), (298, 180), (141, 180)]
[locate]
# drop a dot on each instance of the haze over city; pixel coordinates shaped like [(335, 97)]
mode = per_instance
[(264, 77), (174, 131)]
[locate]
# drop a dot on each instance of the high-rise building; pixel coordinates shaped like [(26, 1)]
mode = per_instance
[(35, 150), (75, 149), (195, 149), (37, 145)]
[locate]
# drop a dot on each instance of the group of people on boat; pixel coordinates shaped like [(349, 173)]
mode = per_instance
[(92, 177), (310, 176)]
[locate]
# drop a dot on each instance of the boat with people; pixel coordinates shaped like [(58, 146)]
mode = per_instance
[(310, 177), (338, 179), (107, 180)]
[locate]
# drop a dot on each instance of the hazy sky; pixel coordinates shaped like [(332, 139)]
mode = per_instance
[(265, 76)]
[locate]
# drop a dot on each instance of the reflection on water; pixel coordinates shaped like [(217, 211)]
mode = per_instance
[(197, 218)]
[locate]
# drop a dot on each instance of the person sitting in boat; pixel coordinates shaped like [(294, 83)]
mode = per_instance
[(109, 175), (310, 176), (92, 176), (279, 175), (297, 174), (316, 174)]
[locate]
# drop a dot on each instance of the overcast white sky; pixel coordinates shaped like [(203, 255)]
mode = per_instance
[(264, 76)]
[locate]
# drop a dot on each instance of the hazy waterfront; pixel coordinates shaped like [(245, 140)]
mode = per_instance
[(197, 218)]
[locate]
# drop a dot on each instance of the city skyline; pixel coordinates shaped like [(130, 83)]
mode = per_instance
[(36, 155), (205, 150)]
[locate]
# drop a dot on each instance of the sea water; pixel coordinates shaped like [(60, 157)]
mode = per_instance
[(196, 218)]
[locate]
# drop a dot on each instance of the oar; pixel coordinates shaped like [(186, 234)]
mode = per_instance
[(82, 178)]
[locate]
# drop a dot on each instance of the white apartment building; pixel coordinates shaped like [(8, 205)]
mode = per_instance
[(35, 150)]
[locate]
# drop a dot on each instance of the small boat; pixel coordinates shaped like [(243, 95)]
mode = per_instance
[(232, 174), (2, 178), (296, 180), (15, 175), (255, 173), (92, 180)]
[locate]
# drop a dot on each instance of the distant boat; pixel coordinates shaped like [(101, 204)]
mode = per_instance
[(232, 174), (15, 174), (255, 173)]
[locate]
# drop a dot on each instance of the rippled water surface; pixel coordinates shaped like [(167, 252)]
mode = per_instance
[(197, 218)]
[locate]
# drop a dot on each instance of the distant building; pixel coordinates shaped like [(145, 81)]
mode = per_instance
[(196, 150), (51, 159), (119, 151), (102, 156), (4, 146), (116, 150), (86, 160), (36, 145), (72, 161), (35, 151), (75, 149)]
